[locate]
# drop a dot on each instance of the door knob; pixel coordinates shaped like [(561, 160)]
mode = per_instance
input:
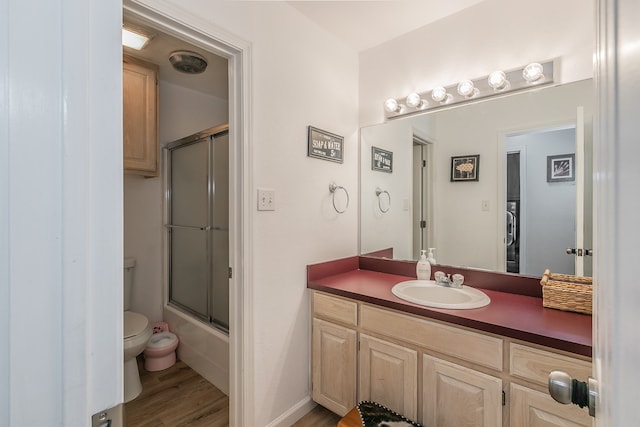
[(571, 251), (565, 389)]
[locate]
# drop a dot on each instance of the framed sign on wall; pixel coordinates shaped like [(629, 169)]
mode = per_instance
[(324, 145)]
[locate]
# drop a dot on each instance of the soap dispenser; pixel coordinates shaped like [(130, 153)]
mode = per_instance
[(423, 268), (430, 256)]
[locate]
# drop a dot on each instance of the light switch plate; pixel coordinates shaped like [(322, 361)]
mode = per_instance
[(266, 200)]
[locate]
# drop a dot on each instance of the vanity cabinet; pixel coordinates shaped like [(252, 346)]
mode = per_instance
[(334, 348), (140, 117), (454, 396), (434, 372), (531, 405), (388, 375)]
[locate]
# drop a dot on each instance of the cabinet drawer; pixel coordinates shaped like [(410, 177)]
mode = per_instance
[(534, 364), (470, 346), (335, 308)]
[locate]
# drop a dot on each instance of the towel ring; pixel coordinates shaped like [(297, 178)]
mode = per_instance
[(380, 192), (333, 188)]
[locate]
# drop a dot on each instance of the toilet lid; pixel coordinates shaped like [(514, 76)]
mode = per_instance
[(134, 323)]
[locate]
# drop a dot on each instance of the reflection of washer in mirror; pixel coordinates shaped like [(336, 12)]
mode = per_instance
[(380, 194), (513, 212)]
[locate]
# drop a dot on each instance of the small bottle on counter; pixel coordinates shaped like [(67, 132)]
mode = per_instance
[(423, 268), (430, 256)]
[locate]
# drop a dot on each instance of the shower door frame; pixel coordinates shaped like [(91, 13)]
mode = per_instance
[(209, 135)]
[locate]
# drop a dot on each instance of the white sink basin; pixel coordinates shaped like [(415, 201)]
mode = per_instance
[(428, 293)]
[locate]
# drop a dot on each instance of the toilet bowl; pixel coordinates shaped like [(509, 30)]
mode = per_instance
[(137, 332), (161, 351)]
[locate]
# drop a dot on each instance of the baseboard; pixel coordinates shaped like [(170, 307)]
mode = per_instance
[(294, 413)]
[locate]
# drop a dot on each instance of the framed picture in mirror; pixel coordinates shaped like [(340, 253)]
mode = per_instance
[(465, 168), (561, 168)]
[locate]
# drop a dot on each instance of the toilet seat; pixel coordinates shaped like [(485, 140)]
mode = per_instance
[(160, 353), (162, 340), (134, 324)]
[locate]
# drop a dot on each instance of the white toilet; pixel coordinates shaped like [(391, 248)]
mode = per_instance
[(137, 332)]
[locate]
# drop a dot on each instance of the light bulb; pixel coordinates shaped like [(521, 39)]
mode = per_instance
[(467, 89), (533, 72), (415, 101), (439, 94), (391, 106), (498, 81)]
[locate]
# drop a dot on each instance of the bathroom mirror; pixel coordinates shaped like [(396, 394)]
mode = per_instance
[(502, 184)]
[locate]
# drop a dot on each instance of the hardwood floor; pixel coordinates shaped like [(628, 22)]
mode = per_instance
[(318, 417), (178, 396)]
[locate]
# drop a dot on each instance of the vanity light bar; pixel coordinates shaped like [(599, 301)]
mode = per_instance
[(497, 83)]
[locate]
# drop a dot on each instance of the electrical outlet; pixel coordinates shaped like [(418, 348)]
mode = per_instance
[(266, 200)]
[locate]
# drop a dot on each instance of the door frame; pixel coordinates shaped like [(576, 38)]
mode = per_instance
[(503, 135), (615, 314), (238, 53)]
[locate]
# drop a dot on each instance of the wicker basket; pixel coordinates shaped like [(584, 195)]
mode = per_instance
[(566, 292)]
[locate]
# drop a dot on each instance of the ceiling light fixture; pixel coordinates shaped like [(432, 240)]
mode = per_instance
[(134, 38), (497, 83), (188, 62)]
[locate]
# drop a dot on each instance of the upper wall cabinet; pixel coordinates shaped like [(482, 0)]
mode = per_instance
[(140, 117)]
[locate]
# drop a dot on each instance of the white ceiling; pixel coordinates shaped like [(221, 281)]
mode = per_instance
[(365, 24), (213, 81), (359, 24)]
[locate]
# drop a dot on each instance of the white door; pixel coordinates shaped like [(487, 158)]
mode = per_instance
[(584, 197), (60, 211), (616, 207)]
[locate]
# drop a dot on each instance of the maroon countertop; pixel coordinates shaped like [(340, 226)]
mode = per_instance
[(514, 315)]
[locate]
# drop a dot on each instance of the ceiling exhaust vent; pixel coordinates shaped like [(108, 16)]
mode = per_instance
[(188, 62)]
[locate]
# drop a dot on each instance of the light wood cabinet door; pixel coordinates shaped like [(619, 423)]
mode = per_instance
[(140, 117), (531, 408), (388, 375), (334, 366), (456, 396)]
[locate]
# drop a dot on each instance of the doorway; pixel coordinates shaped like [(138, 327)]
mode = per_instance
[(423, 220), (544, 201), (236, 54)]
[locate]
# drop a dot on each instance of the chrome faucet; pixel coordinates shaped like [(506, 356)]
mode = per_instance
[(447, 281)]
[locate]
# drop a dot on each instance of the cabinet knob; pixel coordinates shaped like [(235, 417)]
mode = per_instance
[(566, 390)]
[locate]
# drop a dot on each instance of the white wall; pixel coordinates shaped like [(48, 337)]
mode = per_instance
[(494, 34), (301, 76), (182, 113)]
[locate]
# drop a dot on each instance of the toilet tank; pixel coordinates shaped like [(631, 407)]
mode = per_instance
[(129, 266)]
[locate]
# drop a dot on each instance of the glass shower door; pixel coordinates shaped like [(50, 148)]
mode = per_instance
[(188, 228), (198, 199)]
